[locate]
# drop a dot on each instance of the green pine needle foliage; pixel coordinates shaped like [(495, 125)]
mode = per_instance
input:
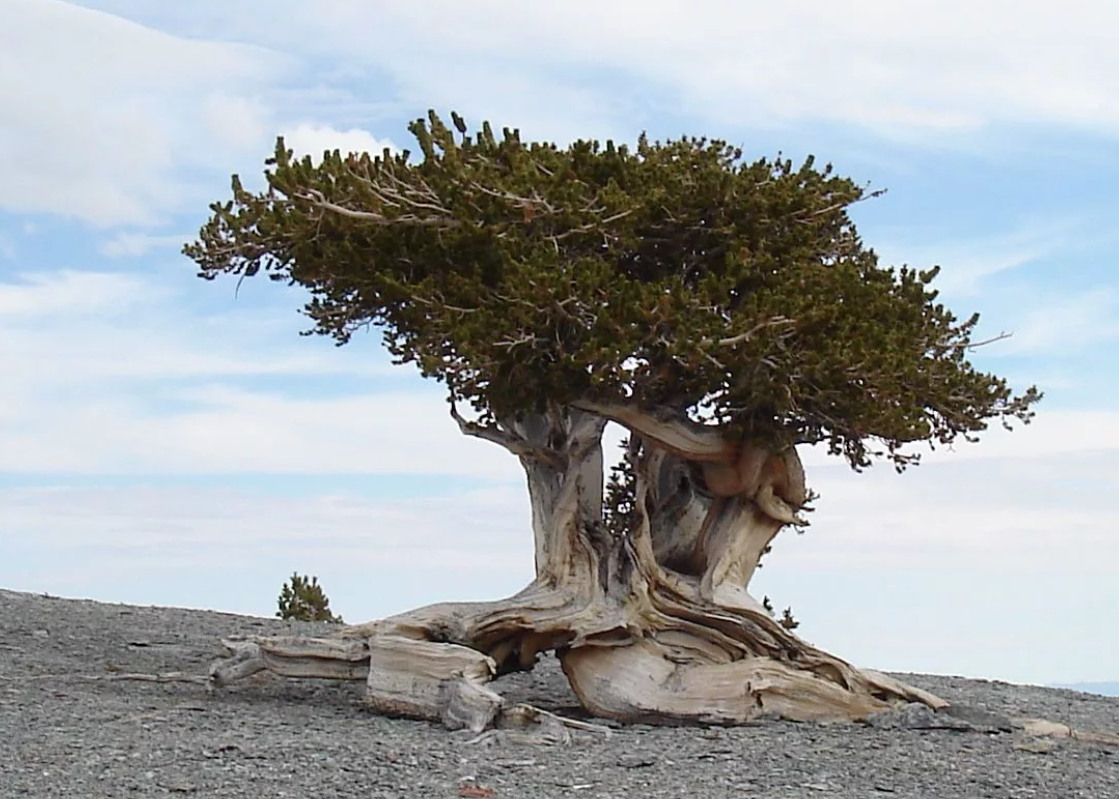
[(678, 275), (302, 599), (619, 505), (787, 620)]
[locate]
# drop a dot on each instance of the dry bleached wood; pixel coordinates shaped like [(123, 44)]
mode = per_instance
[(652, 624)]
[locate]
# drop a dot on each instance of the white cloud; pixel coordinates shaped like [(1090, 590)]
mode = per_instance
[(102, 114), (43, 295), (313, 140), (237, 122), (930, 73), (224, 430), (227, 430), (108, 373), (76, 327), (1030, 513), (878, 64), (383, 532), (133, 110)]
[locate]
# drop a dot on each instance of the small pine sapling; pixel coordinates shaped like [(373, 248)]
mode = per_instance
[(787, 620), (302, 599)]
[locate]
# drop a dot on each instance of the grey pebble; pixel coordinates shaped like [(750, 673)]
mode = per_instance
[(268, 737)]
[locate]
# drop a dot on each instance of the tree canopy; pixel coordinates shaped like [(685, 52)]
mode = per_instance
[(675, 275)]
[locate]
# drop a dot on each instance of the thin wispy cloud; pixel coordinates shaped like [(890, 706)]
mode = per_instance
[(949, 67), (968, 263), (134, 245), (1083, 320), (129, 110), (45, 295), (108, 372), (7, 248)]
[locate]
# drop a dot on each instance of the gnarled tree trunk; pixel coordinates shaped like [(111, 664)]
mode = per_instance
[(653, 623)]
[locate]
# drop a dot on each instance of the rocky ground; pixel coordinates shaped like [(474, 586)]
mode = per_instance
[(64, 734)]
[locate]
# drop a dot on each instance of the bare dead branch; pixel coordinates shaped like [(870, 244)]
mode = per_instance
[(516, 200), (591, 225), (317, 199), (777, 321), (455, 308), (976, 345), (508, 344), (823, 211)]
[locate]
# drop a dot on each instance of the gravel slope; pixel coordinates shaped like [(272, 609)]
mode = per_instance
[(71, 737)]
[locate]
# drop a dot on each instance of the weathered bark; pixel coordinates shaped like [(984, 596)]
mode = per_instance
[(650, 624)]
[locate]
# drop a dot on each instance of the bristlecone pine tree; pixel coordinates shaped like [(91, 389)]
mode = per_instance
[(724, 311)]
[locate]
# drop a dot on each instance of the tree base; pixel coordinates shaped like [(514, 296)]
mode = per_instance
[(651, 618), (667, 667), (673, 661)]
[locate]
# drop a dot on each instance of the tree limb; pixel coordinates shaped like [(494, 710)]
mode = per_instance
[(510, 441), (679, 436)]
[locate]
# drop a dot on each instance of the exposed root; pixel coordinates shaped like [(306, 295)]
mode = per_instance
[(667, 655), (405, 676), (888, 685), (1042, 729), (524, 723), (433, 681)]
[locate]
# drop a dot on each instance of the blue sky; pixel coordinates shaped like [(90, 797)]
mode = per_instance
[(163, 441)]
